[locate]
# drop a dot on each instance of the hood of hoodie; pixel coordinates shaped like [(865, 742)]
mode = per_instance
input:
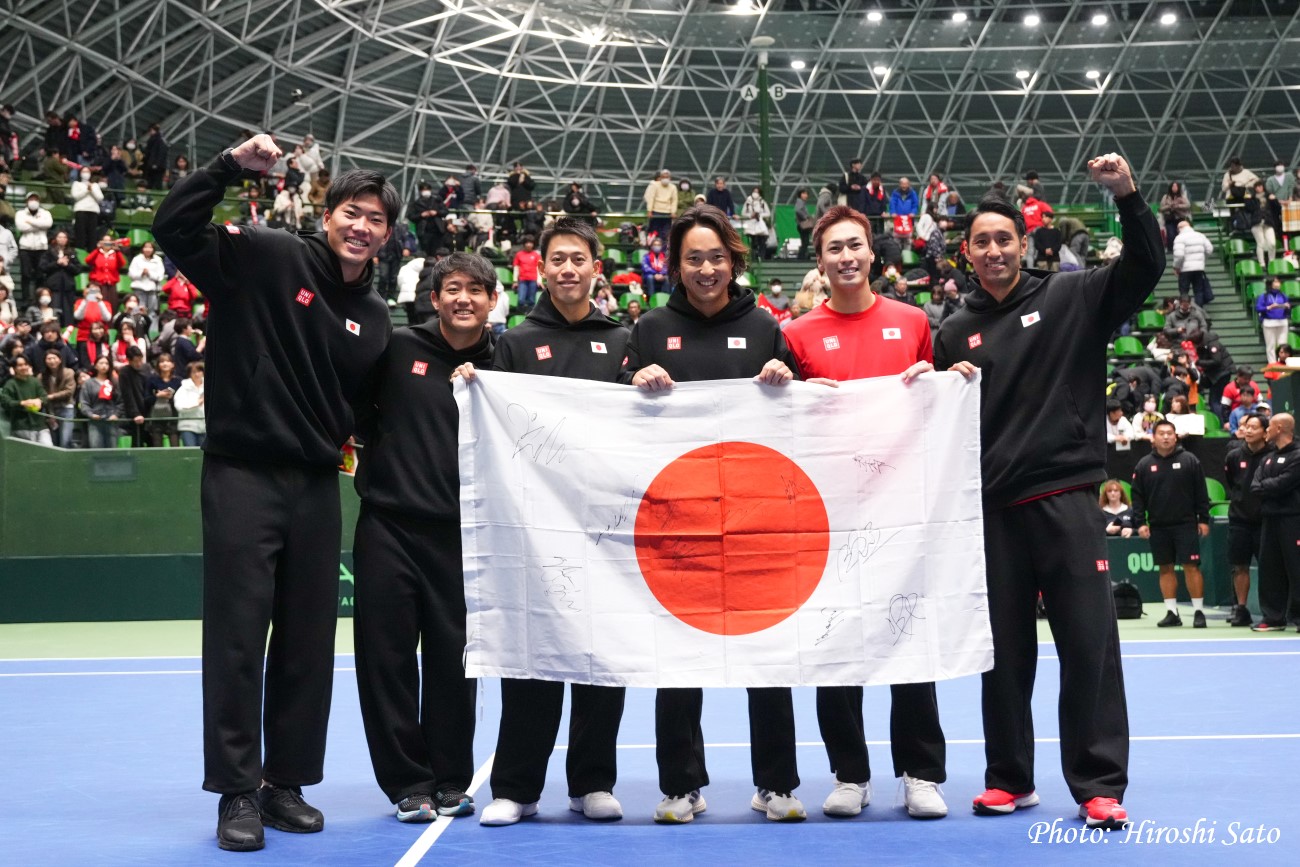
[(741, 297), (318, 247), (1031, 282), (1174, 455), (431, 333), (546, 315)]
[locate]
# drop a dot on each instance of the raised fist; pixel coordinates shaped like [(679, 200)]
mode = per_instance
[(1112, 172), (257, 154)]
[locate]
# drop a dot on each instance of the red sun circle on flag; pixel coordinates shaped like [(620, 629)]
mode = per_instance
[(732, 538)]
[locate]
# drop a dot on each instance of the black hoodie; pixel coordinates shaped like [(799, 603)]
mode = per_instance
[(289, 344), (733, 344), (1042, 353), (410, 464), (547, 344), (1277, 481), (1170, 491), (1239, 467)]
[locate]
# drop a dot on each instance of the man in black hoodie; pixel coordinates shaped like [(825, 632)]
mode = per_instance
[(1244, 517), (712, 328), (1277, 481), (294, 332), (1046, 334), (564, 335), (410, 584), (1171, 507)]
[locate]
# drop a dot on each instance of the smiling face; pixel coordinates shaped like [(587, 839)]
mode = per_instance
[(995, 251), (845, 257), (1252, 431), (356, 230), (569, 269), (463, 304), (706, 270)]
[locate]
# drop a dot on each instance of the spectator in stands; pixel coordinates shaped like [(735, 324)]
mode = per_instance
[(128, 335), (1277, 483), (315, 193), (1248, 405), (43, 310), (949, 273), (1187, 318), (99, 402), (720, 197), (189, 407), (853, 185), (1144, 420), (163, 384), (1279, 368), (894, 286), (1191, 251), (155, 158), (1119, 432), (1031, 188), (1074, 237), (803, 222), (1231, 398), (904, 201), (134, 159), (21, 398), (33, 223), (631, 313), (814, 290), (654, 269), (55, 172), (775, 302), (60, 384), (8, 310), (115, 174), (185, 350), (21, 335), (827, 197), (289, 207), (875, 201), (888, 250), (147, 275), (1172, 509), (50, 339), (180, 295), (576, 204), (94, 346), (137, 399), (1274, 311), (526, 264), (1047, 243), (757, 216), (533, 219), (181, 167), (1264, 214), (1182, 367), (1033, 210), (1215, 362), (1116, 509), (1174, 209), (400, 246), (91, 309), (938, 308), (521, 186), (311, 160), (1186, 423), (685, 195), (1237, 181), (935, 195), (87, 195), (106, 264), (428, 214)]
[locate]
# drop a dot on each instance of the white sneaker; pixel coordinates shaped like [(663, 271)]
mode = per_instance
[(680, 809), (503, 811), (597, 805), (923, 798), (847, 799), (780, 807)]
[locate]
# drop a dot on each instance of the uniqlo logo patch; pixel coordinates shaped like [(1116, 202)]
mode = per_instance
[(1196, 556), (420, 368), (232, 230), (304, 297), (975, 341), (1103, 565), (1154, 468), (891, 333), (1029, 319), (831, 343), (735, 343), (353, 327), (543, 352), (1243, 465), (674, 343), (599, 348)]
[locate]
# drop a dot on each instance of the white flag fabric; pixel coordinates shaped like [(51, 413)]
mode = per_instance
[(723, 533)]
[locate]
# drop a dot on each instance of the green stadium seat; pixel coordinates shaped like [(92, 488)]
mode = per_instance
[(629, 297), (1213, 430), (1281, 266), (1291, 288), (1295, 242), (637, 256), (82, 281), (1214, 487), (910, 259), (659, 299), (923, 297), (1248, 268), (139, 237), (1237, 249), (1150, 320), (512, 298), (1129, 347), (1254, 289), (1293, 340), (506, 276), (616, 255), (515, 320), (1295, 315), (1219, 510)]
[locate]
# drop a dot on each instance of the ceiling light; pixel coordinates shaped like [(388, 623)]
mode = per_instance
[(880, 70), (1168, 18), (1093, 74), (1099, 20), (875, 17), (1022, 74), (743, 7), (959, 17), (1032, 20), (797, 64)]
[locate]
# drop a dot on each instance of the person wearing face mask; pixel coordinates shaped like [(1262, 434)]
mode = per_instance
[(147, 275), (86, 199), (59, 268), (1281, 183), (1144, 420), (133, 156), (660, 204), (33, 224), (654, 269), (43, 310)]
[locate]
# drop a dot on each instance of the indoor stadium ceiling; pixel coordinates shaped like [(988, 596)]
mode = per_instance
[(608, 92)]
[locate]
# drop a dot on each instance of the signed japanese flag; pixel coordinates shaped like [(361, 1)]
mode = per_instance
[(723, 533)]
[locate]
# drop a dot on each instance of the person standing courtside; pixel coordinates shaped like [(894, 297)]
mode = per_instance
[(565, 335), (410, 586), (1244, 517), (1277, 481), (1041, 462), (1171, 508), (294, 331), (711, 328), (856, 335)]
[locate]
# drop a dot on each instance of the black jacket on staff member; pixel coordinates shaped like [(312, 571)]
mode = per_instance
[(1170, 491), (1239, 467), (1277, 482), (410, 581), (290, 344)]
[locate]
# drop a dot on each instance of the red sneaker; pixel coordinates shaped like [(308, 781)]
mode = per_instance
[(1103, 813), (995, 802)]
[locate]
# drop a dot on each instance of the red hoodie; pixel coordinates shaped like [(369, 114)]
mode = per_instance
[(105, 268)]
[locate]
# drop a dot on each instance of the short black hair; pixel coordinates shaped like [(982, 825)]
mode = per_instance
[(570, 226), (472, 265), (1112, 405), (1031, 176), (134, 352), (1248, 416), (995, 205), (1245, 370), (355, 183)]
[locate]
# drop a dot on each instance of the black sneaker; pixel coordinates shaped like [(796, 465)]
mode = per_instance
[(416, 807), (1198, 619), (284, 810), (1265, 626), (1240, 616), (1171, 619), (239, 824), (451, 801)]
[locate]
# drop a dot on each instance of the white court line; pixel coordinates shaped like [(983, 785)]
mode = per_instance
[(442, 823), (108, 658), (110, 673), (980, 741)]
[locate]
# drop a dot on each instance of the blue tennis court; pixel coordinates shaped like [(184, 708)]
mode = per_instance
[(103, 766)]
